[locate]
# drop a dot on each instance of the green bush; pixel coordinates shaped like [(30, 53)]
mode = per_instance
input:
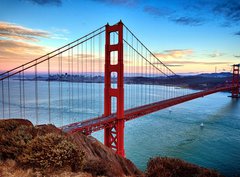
[(52, 151)]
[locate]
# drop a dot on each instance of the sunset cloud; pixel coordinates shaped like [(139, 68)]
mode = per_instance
[(177, 53), (16, 32), (216, 54), (18, 44), (10, 47), (182, 63)]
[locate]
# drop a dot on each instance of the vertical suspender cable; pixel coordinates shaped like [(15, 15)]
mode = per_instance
[(24, 109), (78, 81), (20, 94), (9, 100), (36, 92), (69, 84), (137, 73), (82, 77), (142, 84), (91, 60), (59, 88), (49, 93), (145, 85), (99, 70), (3, 108), (86, 75), (72, 91)]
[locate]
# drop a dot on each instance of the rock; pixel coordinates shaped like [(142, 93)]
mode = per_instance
[(19, 138)]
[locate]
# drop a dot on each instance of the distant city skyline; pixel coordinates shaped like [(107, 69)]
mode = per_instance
[(192, 37)]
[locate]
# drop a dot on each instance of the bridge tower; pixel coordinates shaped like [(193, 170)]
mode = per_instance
[(114, 134), (235, 81)]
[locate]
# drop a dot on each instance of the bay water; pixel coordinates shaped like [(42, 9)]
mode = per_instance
[(172, 132)]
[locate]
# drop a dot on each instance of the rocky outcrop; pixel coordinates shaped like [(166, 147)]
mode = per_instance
[(46, 150), (171, 167)]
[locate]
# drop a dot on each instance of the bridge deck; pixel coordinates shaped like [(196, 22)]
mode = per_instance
[(95, 124)]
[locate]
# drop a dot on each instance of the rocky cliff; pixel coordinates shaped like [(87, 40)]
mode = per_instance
[(32, 151)]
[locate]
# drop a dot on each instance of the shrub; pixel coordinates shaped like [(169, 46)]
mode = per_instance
[(13, 139), (9, 168), (96, 167), (51, 151), (170, 167)]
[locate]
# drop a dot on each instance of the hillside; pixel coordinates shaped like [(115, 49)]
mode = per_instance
[(29, 151)]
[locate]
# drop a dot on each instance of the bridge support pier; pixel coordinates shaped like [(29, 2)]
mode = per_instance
[(235, 81), (114, 135)]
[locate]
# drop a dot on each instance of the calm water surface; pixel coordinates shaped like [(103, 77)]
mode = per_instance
[(172, 132), (176, 132)]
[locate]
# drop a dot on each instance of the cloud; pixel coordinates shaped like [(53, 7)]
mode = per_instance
[(177, 53), (10, 48), (188, 21), (216, 54), (194, 62), (237, 33), (47, 2), (119, 2), (230, 9), (16, 43), (157, 11), (12, 31), (85, 55), (174, 65)]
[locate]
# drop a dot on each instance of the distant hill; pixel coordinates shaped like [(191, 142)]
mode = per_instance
[(219, 75)]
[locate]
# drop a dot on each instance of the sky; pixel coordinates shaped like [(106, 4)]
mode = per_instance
[(189, 36)]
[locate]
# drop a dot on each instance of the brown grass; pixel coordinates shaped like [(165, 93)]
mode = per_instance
[(51, 152), (14, 138), (47, 151), (9, 168)]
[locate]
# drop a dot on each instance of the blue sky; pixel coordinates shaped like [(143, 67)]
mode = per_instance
[(188, 35)]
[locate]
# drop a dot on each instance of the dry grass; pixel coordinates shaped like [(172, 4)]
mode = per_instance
[(36, 148), (51, 152), (27, 150), (13, 138), (9, 168)]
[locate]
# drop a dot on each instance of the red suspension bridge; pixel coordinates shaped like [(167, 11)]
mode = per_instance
[(97, 82)]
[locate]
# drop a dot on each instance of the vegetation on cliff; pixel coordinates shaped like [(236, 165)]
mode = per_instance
[(47, 151), (170, 167), (32, 151)]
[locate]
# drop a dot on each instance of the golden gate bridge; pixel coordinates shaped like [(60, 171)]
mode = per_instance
[(104, 70)]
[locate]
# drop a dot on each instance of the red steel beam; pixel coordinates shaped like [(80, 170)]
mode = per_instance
[(114, 135), (99, 123)]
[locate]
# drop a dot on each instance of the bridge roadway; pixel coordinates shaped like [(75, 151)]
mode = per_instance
[(98, 123)]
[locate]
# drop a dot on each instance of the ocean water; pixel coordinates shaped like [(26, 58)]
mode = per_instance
[(172, 132), (176, 132)]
